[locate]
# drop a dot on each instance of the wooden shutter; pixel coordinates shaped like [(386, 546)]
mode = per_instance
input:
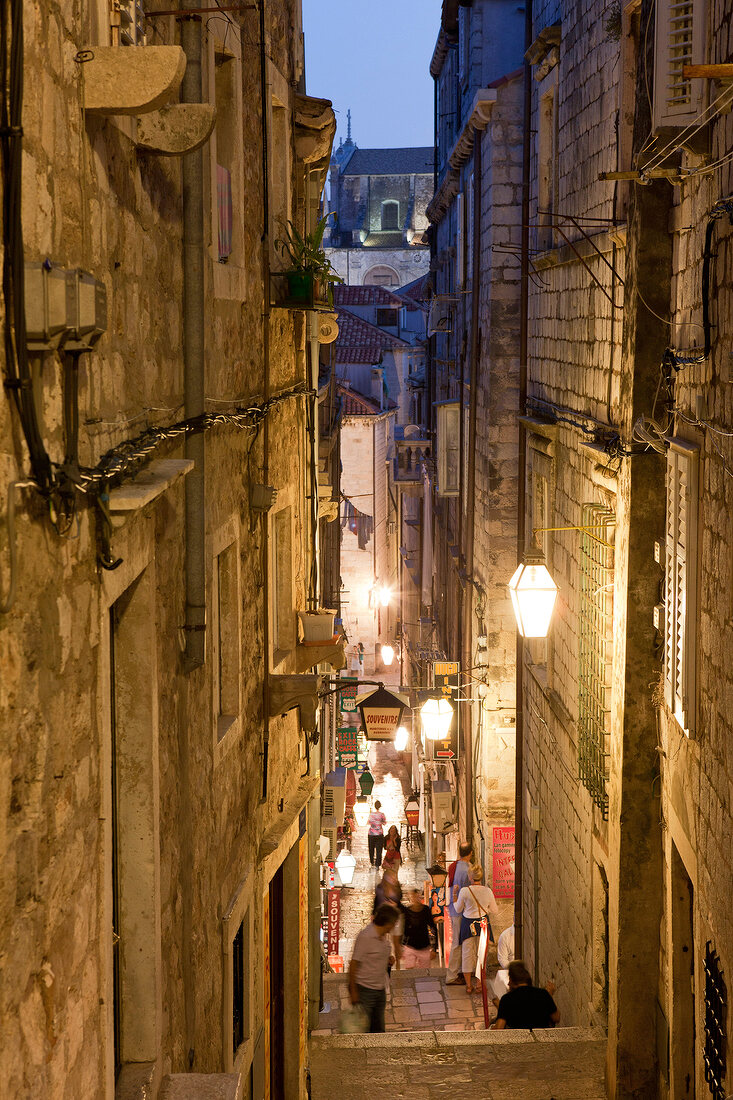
[(681, 582), (680, 40)]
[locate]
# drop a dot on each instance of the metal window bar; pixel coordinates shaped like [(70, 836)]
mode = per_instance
[(716, 1006), (596, 651)]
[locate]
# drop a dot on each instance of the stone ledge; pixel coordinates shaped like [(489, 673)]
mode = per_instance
[(133, 495)]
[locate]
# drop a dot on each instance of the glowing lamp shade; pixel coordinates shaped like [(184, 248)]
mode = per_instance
[(438, 874), (400, 738), (387, 655), (361, 811), (384, 595), (346, 865), (533, 593), (436, 716)]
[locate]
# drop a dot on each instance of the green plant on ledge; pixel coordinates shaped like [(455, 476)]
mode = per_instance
[(312, 275)]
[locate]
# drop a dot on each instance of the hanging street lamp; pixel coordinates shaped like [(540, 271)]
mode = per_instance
[(533, 593), (346, 865), (401, 738), (387, 652), (361, 809), (436, 716), (438, 875), (366, 784)]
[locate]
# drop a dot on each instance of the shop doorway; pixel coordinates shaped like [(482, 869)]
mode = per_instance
[(683, 982), (277, 989)]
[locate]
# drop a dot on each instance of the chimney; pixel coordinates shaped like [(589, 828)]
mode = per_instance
[(378, 386)]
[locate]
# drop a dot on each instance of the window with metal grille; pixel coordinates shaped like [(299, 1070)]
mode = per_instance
[(127, 22), (716, 1009), (680, 568), (679, 42), (596, 650)]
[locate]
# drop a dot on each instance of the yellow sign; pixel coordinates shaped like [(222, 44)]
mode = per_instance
[(445, 668)]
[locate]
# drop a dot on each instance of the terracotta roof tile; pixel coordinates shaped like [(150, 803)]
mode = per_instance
[(359, 341), (391, 162)]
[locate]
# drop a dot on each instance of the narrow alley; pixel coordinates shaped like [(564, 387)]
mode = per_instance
[(436, 1041)]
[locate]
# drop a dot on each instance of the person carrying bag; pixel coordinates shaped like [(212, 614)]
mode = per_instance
[(473, 903)]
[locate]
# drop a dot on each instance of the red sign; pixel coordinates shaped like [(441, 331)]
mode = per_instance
[(334, 919), (503, 862)]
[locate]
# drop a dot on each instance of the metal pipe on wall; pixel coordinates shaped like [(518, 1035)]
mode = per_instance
[(193, 356), (521, 467)]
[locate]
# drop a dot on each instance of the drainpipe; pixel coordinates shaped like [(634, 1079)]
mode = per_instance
[(193, 376), (193, 353), (265, 245), (521, 495), (471, 487)]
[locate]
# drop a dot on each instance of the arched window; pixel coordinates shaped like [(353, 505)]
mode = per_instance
[(390, 215), (381, 276)]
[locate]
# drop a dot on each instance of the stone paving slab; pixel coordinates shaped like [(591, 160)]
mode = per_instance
[(485, 1065)]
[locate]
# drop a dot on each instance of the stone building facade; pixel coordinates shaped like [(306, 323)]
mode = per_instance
[(159, 766), (474, 395), (626, 460), (377, 199)]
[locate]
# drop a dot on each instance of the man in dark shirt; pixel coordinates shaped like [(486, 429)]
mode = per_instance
[(525, 1006)]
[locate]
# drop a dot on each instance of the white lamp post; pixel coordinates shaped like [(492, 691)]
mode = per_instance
[(345, 865), (401, 738), (387, 655), (533, 593), (361, 811), (436, 716)]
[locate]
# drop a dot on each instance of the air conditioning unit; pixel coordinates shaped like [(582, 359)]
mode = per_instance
[(329, 831), (334, 795), (443, 815)]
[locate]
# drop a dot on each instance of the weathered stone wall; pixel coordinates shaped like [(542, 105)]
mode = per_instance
[(353, 264), (91, 199)]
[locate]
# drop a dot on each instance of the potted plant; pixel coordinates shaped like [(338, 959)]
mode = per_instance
[(311, 275), (317, 626)]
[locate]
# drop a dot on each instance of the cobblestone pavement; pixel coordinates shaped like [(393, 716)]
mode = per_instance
[(562, 1064)]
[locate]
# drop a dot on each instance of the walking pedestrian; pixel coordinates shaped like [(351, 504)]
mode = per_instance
[(368, 971), (525, 1006), (474, 902), (388, 891), (419, 936), (461, 878), (392, 857), (375, 837)]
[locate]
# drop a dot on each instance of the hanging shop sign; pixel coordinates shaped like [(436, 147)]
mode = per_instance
[(347, 747), (348, 693), (334, 917), (381, 713), (503, 862)]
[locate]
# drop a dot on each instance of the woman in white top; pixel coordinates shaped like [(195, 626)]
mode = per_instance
[(473, 902)]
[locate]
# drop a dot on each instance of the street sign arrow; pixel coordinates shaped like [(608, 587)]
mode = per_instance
[(445, 752)]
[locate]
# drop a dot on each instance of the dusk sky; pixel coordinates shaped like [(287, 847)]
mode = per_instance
[(374, 58)]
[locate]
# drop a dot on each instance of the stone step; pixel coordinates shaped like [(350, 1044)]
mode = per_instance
[(491, 1065)]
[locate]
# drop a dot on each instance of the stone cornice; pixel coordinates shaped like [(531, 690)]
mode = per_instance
[(478, 119)]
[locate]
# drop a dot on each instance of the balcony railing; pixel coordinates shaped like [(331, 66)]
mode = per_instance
[(409, 459)]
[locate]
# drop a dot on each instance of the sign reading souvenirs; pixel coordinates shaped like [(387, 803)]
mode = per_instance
[(333, 917), (503, 862), (446, 682), (381, 714)]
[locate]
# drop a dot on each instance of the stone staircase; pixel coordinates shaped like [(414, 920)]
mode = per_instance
[(558, 1064)]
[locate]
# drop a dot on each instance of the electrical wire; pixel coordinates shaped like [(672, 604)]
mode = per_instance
[(676, 143)]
